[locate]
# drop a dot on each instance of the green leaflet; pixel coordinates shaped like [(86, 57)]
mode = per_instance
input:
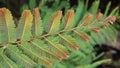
[(55, 4), (7, 26), (24, 7), (45, 50), (46, 15), (68, 19), (114, 11), (70, 41), (94, 7), (54, 23), (15, 55), (82, 35), (38, 58), (87, 20), (32, 4), (24, 26), (6, 62), (57, 48), (79, 11), (63, 4), (37, 28), (95, 64), (1, 51), (107, 9)]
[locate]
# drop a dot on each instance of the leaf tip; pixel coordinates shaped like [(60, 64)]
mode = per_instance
[(59, 58), (106, 25), (49, 64), (36, 12), (96, 30), (111, 19), (27, 12), (86, 39), (76, 47), (99, 16), (71, 12), (66, 56), (58, 15)]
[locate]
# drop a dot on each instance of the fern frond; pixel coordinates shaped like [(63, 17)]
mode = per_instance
[(35, 45)]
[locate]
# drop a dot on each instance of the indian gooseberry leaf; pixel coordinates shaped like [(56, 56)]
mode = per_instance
[(7, 26), (69, 19), (37, 28), (24, 26), (54, 23)]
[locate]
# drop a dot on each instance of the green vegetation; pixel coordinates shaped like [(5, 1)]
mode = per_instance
[(56, 36)]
